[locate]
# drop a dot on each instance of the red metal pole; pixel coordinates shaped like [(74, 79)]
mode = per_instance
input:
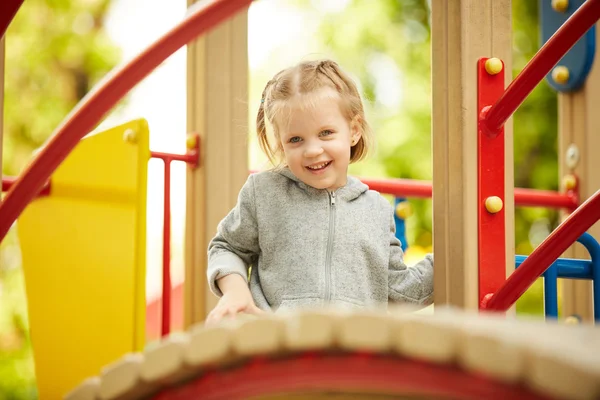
[(400, 187), (8, 10), (166, 286), (86, 115), (545, 59), (545, 198), (8, 182), (545, 254)]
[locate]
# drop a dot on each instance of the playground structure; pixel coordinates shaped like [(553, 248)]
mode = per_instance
[(328, 350)]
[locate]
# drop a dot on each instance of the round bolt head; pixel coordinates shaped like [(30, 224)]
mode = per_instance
[(560, 5), (572, 156), (493, 204), (190, 141), (493, 66), (130, 136), (403, 210), (560, 74), (569, 182)]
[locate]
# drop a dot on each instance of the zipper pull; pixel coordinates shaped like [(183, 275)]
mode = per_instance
[(333, 198)]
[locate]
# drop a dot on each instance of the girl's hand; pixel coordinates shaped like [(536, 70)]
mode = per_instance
[(236, 299)]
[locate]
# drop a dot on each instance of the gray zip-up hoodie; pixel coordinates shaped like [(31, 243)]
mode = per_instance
[(308, 247)]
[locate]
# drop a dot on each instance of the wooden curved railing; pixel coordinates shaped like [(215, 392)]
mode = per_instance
[(96, 104)]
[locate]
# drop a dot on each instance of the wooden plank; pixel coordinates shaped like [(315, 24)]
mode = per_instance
[(462, 32), (578, 122), (217, 98)]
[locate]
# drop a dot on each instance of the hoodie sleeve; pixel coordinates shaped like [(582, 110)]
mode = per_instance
[(408, 284), (235, 246)]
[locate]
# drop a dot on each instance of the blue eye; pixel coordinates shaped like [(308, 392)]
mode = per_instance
[(295, 139), (326, 132)]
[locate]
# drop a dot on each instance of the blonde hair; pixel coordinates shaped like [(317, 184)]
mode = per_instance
[(306, 78)]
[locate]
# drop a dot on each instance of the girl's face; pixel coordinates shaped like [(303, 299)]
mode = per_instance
[(317, 139)]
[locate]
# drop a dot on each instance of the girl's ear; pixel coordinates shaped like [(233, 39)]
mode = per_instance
[(355, 130)]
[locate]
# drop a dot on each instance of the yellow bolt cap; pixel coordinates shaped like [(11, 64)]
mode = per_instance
[(560, 74), (493, 204), (572, 320), (569, 182), (130, 136), (190, 141), (560, 5), (403, 210), (493, 66)]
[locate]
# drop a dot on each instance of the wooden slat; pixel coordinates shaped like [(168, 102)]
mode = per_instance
[(462, 32), (217, 98), (578, 124)]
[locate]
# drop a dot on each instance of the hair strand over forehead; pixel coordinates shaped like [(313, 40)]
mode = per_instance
[(299, 81)]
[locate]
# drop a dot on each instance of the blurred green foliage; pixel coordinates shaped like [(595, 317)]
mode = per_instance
[(56, 50)]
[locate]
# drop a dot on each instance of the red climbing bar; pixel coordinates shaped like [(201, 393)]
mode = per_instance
[(8, 182), (166, 278), (86, 115), (523, 197), (545, 198), (400, 187), (545, 254), (542, 63), (8, 10)]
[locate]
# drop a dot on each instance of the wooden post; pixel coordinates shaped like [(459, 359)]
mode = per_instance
[(578, 122), (217, 94), (462, 32)]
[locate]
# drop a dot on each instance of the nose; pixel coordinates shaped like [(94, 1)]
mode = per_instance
[(313, 149)]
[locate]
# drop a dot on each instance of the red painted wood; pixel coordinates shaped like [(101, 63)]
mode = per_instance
[(490, 164), (354, 373)]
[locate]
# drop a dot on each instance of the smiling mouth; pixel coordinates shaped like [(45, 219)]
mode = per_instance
[(318, 167)]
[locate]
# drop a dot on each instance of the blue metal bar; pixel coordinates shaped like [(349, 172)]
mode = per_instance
[(569, 268), (551, 292), (593, 248)]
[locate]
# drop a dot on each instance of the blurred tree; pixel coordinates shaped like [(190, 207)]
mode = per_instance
[(386, 46), (56, 50)]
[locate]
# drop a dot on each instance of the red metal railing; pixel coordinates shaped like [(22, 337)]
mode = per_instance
[(419, 189), (8, 10), (545, 254), (544, 60), (191, 158), (88, 113)]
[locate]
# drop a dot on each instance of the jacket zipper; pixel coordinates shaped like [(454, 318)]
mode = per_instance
[(329, 247)]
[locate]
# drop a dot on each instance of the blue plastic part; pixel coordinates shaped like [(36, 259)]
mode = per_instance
[(571, 269), (581, 56), (593, 248), (400, 224)]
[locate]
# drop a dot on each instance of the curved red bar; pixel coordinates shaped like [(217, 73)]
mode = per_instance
[(400, 187), (8, 10), (103, 97), (546, 253), (545, 59)]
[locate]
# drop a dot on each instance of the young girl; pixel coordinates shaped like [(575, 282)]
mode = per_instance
[(311, 234)]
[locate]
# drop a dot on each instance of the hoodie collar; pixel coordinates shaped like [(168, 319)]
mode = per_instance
[(350, 191)]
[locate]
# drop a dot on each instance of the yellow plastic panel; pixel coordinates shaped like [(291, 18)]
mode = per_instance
[(84, 259)]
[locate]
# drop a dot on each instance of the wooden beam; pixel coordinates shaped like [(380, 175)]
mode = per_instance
[(462, 32), (578, 122), (217, 79)]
